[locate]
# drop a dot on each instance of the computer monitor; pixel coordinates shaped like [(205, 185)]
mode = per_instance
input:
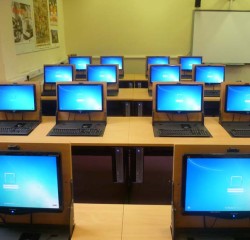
[(80, 98), (237, 98), (179, 98), (80, 62), (209, 74), (216, 185), (58, 73), (119, 60), (187, 62), (30, 182), (156, 60), (103, 73), (18, 98), (164, 73)]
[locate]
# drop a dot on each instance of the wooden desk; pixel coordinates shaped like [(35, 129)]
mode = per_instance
[(127, 222)]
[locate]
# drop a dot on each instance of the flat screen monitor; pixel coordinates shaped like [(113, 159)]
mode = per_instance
[(187, 62), (156, 60), (237, 99), (209, 74), (216, 185), (164, 73), (30, 182), (58, 73), (18, 98), (80, 98), (179, 98), (80, 62), (113, 60), (103, 73)]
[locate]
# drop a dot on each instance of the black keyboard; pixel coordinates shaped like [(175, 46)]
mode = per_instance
[(15, 131), (76, 132), (192, 132), (49, 93), (211, 93), (186, 76), (240, 132)]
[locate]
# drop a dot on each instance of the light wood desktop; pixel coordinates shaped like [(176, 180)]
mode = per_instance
[(117, 221)]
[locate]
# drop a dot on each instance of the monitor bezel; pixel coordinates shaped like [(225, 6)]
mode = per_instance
[(163, 65), (87, 57), (189, 57), (14, 210), (204, 66), (178, 111), (216, 214), (226, 98), (120, 57), (81, 85), (103, 65), (148, 57), (22, 85), (58, 65)]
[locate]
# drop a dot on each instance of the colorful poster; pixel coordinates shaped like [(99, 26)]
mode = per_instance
[(53, 12), (41, 22), (22, 22)]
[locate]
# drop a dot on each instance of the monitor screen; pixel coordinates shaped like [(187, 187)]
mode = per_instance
[(217, 185), (156, 60), (18, 98), (209, 74), (58, 73), (102, 73), (80, 62), (187, 62), (237, 99), (30, 182), (179, 98), (80, 97), (164, 73), (112, 60)]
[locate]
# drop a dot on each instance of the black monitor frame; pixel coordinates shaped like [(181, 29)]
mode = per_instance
[(15, 210), (75, 57), (34, 94), (216, 214), (227, 97), (81, 85), (187, 57), (178, 85)]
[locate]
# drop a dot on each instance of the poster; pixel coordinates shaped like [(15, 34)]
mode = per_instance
[(53, 12)]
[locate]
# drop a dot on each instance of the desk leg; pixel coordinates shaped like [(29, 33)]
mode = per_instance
[(139, 108), (127, 109)]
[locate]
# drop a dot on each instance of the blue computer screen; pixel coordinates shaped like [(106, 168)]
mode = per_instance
[(17, 97), (112, 60), (102, 73), (216, 184), (179, 98), (209, 74), (80, 62), (30, 182), (80, 97), (164, 73), (237, 98), (188, 62), (58, 73), (157, 60)]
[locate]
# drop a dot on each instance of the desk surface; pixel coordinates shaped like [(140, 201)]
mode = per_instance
[(127, 222), (127, 131)]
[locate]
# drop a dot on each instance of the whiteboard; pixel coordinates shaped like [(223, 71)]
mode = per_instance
[(221, 36)]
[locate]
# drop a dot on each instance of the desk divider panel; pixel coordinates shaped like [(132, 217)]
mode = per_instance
[(166, 117), (180, 221), (33, 116), (89, 116), (229, 117), (64, 218)]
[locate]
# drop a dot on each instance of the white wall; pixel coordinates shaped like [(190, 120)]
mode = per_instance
[(15, 67)]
